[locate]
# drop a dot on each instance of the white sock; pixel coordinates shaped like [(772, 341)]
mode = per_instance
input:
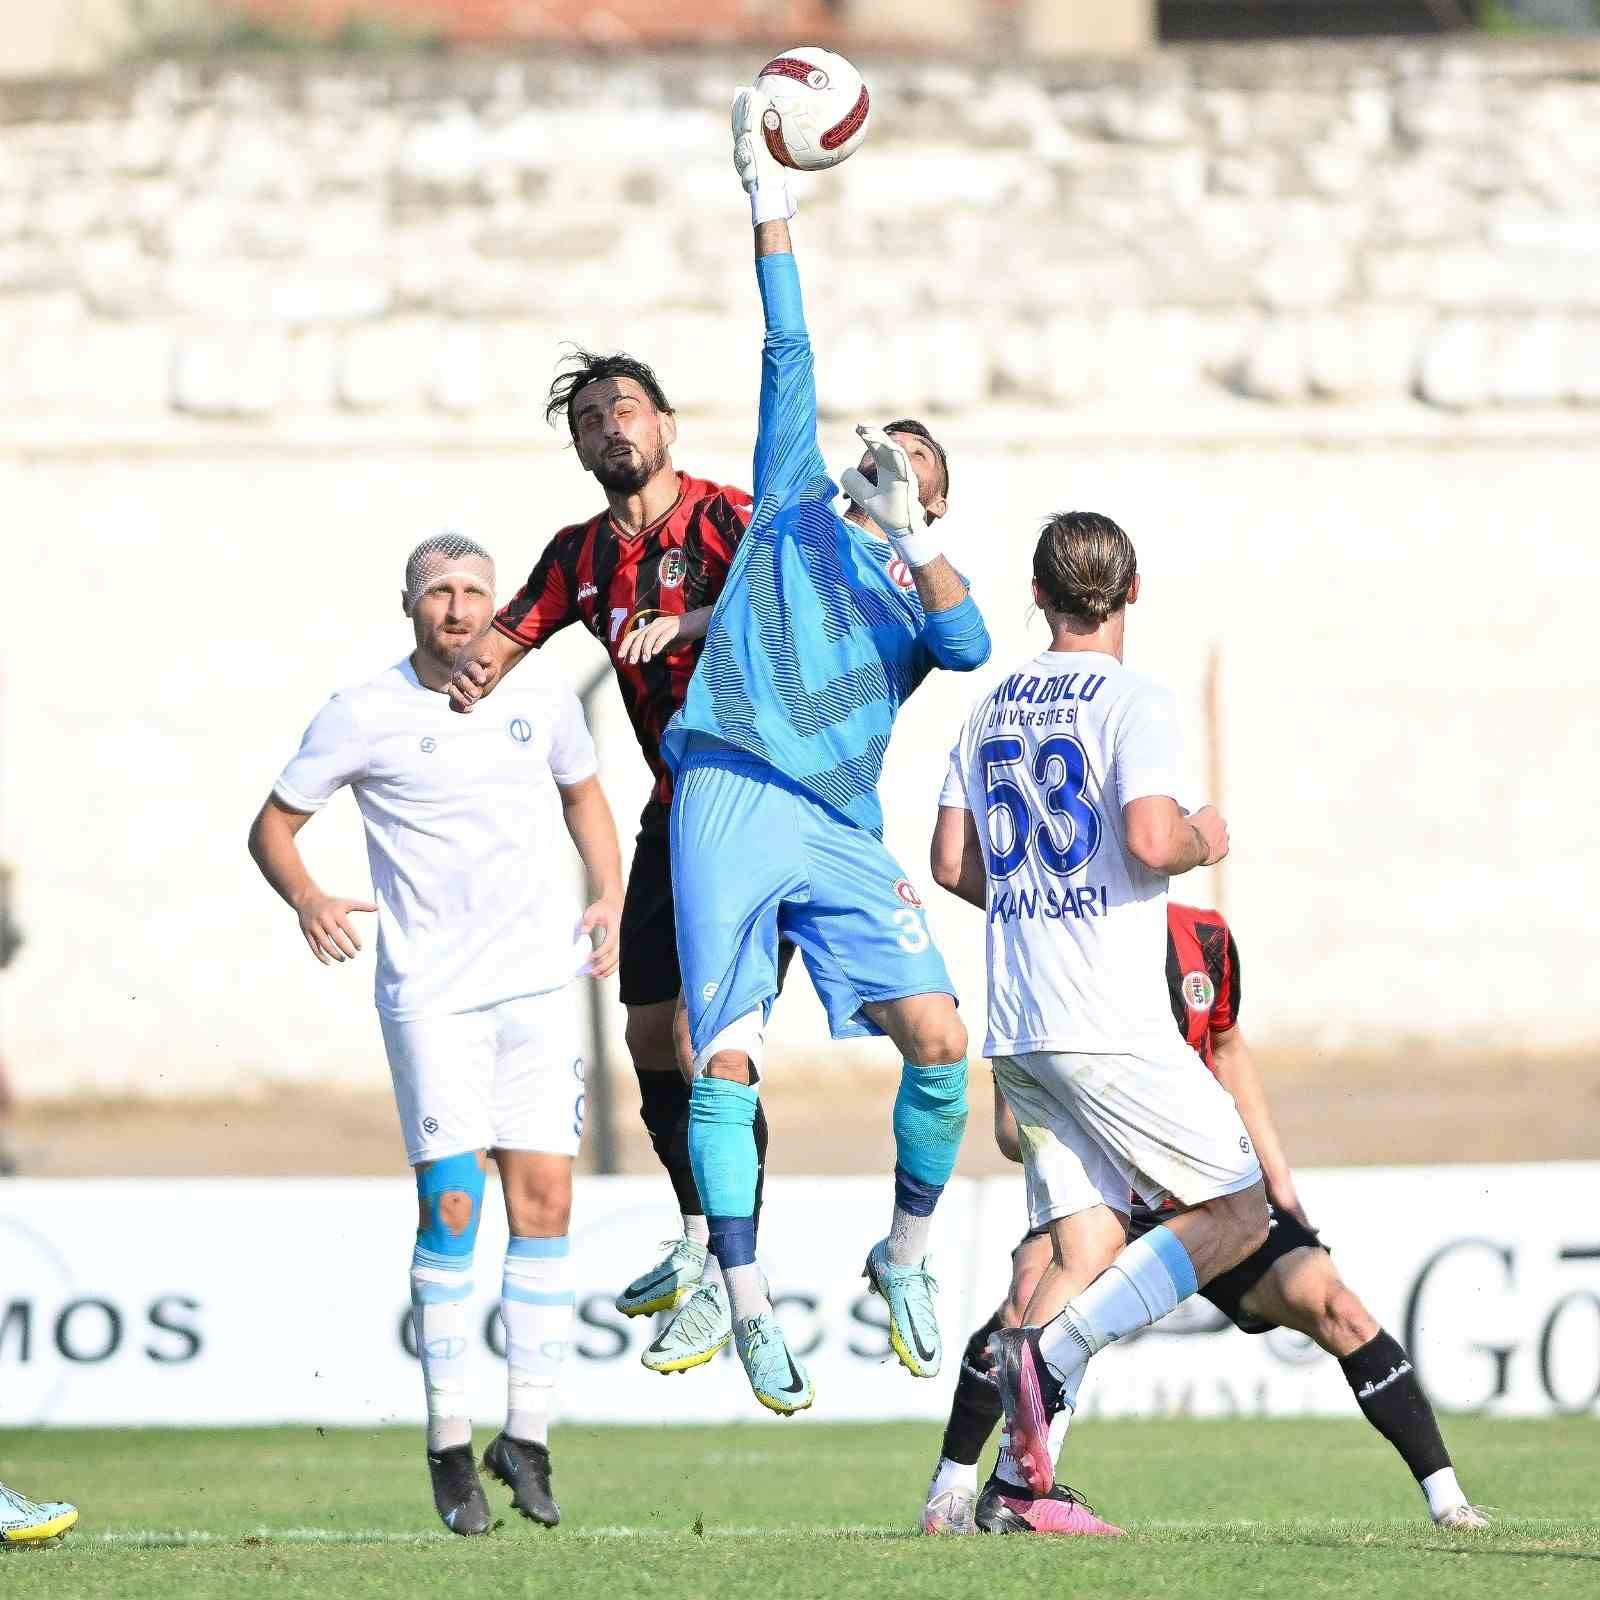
[(696, 1229), (908, 1238), (1059, 1424), (953, 1475), (713, 1271), (1006, 1468), (536, 1304), (1149, 1278), (440, 1286), (747, 1294), (1442, 1491)]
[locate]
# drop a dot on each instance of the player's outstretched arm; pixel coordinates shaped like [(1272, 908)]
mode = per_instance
[(324, 918), (787, 457), (1237, 1072), (480, 666), (1165, 840), (956, 856), (587, 814)]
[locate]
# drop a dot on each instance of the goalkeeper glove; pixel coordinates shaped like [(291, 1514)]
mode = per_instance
[(893, 502), (759, 170)]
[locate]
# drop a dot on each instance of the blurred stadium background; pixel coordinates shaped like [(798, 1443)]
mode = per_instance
[(1305, 293)]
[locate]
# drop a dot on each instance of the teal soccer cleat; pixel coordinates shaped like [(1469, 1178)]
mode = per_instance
[(25, 1521), (777, 1379), (702, 1326), (908, 1292), (668, 1283)]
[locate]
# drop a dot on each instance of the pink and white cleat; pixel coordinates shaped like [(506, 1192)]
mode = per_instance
[(1003, 1509), (1021, 1375)]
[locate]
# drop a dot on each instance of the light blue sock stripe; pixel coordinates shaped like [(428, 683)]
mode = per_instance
[(1169, 1251), (538, 1249), (421, 1256), (534, 1297)]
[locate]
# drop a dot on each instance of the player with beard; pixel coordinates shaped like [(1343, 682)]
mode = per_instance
[(641, 575)]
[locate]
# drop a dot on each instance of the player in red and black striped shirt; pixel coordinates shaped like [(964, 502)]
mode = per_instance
[(641, 576), (1290, 1282)]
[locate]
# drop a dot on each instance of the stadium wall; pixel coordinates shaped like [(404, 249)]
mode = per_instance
[(1488, 1275), (263, 329)]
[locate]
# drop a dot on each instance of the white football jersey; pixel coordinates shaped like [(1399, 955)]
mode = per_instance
[(1077, 933), (472, 875)]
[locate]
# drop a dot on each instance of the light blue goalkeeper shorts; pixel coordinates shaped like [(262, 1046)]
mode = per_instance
[(755, 859)]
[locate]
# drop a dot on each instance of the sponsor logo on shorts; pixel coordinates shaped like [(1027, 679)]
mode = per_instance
[(1199, 992), (709, 992), (906, 894), (900, 574), (674, 564), (429, 745), (587, 591), (520, 729)]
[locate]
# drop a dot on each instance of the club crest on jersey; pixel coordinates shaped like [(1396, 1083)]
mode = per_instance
[(1199, 992), (674, 564), (900, 574), (906, 894), (520, 729)]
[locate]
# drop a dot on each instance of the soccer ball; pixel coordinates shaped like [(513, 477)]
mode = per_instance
[(820, 108)]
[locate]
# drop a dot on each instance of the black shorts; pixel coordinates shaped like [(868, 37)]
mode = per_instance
[(1228, 1289), (649, 965), (648, 968)]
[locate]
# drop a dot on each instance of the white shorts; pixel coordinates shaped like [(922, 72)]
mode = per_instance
[(506, 1077), (1095, 1128)]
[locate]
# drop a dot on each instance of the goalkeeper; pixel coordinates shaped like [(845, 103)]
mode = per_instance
[(826, 624)]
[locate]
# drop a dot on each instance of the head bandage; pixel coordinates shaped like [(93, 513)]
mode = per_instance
[(445, 555)]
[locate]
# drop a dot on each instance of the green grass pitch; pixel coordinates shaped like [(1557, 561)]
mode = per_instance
[(1232, 1510)]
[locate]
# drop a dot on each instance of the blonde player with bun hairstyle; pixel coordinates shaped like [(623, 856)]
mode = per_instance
[(1060, 818), (480, 939)]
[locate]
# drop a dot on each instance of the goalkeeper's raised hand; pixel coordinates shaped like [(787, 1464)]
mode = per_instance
[(759, 170), (893, 500)]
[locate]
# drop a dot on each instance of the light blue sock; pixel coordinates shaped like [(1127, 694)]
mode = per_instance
[(722, 1151), (930, 1115), (1149, 1278)]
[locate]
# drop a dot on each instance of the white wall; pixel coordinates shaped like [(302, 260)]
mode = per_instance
[(1408, 680)]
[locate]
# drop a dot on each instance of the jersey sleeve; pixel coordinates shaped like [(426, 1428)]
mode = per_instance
[(332, 753), (954, 792), (545, 604), (572, 753), (787, 460), (1148, 753), (1225, 1010)]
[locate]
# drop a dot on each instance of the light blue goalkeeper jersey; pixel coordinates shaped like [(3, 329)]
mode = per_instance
[(813, 646)]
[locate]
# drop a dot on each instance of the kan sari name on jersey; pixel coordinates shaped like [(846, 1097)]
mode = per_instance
[(1053, 904)]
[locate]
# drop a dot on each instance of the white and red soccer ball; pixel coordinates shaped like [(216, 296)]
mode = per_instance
[(820, 108)]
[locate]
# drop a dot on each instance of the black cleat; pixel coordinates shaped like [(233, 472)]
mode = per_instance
[(524, 1468), (457, 1494)]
